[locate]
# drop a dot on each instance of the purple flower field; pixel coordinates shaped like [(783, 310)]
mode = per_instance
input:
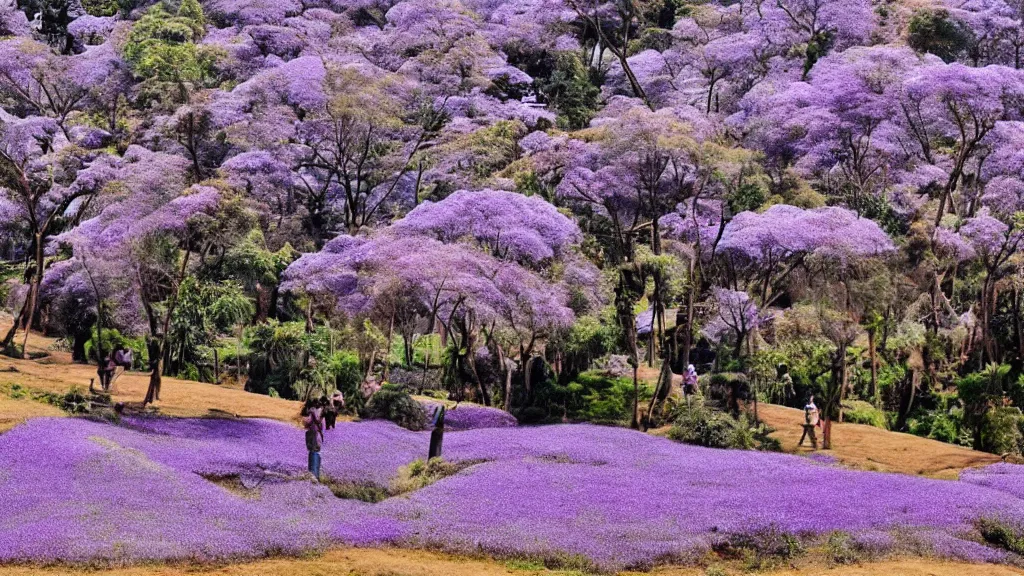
[(76, 490), (472, 417)]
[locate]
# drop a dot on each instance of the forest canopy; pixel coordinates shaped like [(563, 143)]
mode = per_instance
[(522, 202)]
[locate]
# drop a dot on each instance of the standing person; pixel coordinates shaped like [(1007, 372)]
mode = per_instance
[(690, 381), (786, 380), (107, 372), (312, 421), (330, 413), (124, 357), (337, 402), (811, 420)]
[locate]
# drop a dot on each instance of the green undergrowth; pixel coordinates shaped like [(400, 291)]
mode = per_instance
[(1003, 535), (74, 401), (414, 476)]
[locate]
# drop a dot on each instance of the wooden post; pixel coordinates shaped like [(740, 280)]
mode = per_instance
[(437, 435)]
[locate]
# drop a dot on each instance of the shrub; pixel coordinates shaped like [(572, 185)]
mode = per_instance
[(763, 549), (936, 32), (703, 426), (393, 403), (841, 549), (939, 425), (597, 397), (113, 339), (347, 374), (860, 412), (571, 92), (1001, 431), (1001, 534)]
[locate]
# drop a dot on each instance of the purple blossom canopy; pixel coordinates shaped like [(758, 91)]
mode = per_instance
[(509, 225), (783, 231)]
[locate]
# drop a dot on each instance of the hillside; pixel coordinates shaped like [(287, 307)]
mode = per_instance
[(858, 446)]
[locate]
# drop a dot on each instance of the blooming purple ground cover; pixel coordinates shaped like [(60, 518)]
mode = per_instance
[(472, 417), (76, 490)]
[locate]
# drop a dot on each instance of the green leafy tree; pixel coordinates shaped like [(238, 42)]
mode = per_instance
[(162, 50), (571, 92), (936, 32)]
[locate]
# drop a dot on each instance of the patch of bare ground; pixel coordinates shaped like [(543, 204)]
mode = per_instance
[(870, 448), (395, 562)]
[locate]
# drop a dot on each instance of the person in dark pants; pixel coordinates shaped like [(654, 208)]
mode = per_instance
[(312, 421), (330, 413), (334, 407), (107, 372), (811, 420)]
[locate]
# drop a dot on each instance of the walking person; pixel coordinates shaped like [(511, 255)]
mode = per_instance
[(334, 407), (811, 421), (312, 421)]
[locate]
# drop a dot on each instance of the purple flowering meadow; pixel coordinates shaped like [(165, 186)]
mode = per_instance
[(471, 417), (77, 490)]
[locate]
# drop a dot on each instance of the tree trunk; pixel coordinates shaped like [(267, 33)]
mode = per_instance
[(873, 358), (33, 294), (238, 354), (1018, 329), (369, 365), (9, 337), (843, 383), (216, 367), (635, 422), (664, 388), (508, 386), (508, 375), (527, 377), (79, 339), (688, 325), (426, 365), (156, 365)]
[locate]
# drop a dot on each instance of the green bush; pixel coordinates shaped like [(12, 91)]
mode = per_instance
[(393, 403), (937, 32), (347, 375), (763, 549), (1002, 534), (703, 426), (1001, 431), (599, 398), (860, 412), (940, 425), (593, 396), (113, 339), (841, 549)]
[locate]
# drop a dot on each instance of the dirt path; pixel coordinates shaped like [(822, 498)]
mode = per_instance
[(393, 562), (870, 448), (15, 411), (56, 373)]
